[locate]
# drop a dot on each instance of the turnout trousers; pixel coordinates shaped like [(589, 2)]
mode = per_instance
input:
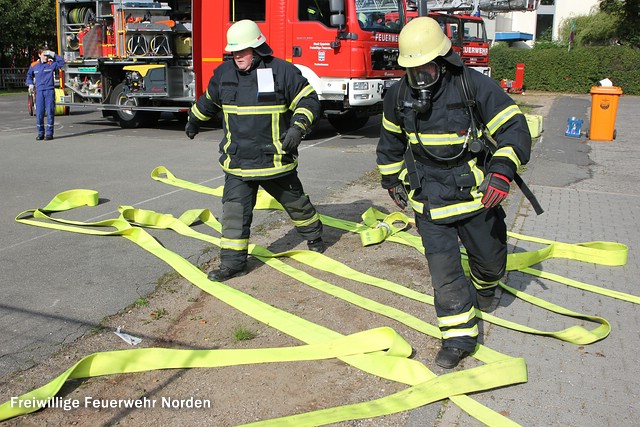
[(484, 236), (239, 199), (45, 103)]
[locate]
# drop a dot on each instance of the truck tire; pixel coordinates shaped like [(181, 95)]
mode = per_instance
[(131, 119), (347, 122)]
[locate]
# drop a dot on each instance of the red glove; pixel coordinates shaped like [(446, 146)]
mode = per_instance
[(495, 188), (399, 195)]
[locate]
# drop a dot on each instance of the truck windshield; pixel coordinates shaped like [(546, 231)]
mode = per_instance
[(378, 15), (474, 31)]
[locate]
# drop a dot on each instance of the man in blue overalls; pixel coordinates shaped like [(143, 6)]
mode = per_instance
[(41, 77)]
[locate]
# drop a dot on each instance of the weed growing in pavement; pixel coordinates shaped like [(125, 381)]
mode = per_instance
[(141, 302)]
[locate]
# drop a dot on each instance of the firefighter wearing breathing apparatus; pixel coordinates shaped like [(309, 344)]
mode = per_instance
[(268, 107), (433, 157)]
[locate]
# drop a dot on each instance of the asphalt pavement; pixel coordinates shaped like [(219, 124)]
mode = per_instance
[(57, 285)]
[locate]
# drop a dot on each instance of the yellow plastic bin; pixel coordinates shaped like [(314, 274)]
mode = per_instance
[(604, 106)]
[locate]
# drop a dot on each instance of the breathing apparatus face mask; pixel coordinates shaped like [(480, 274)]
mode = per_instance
[(422, 78)]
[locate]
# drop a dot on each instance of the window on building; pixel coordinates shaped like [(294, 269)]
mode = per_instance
[(548, 2), (247, 9), (544, 27)]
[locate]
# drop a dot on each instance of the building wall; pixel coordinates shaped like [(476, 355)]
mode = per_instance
[(526, 22)]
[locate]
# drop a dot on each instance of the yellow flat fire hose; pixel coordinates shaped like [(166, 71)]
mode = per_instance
[(575, 334), (503, 370), (373, 231)]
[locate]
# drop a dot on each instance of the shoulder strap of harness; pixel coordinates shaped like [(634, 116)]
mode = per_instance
[(468, 92), (409, 159)]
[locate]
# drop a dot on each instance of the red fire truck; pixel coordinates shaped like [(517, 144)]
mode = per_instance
[(467, 33), (135, 59), (469, 38)]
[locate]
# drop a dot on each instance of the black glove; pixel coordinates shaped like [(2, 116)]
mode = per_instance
[(191, 129), (495, 188), (292, 139), (399, 195)]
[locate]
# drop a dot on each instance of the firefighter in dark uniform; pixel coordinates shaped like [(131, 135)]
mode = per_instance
[(267, 107), (459, 185)]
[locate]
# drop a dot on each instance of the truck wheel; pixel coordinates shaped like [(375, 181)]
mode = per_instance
[(347, 122), (131, 119)]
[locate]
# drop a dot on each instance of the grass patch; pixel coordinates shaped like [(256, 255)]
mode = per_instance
[(141, 302), (6, 92), (158, 313), (240, 333)]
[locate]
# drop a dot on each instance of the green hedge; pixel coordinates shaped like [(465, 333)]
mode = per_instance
[(556, 69)]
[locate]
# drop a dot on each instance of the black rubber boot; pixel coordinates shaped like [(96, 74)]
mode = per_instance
[(225, 273), (488, 299), (449, 357), (485, 298), (316, 245), (39, 137)]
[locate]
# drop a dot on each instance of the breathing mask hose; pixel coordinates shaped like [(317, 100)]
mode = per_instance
[(423, 103)]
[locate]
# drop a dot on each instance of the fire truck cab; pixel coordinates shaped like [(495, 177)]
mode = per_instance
[(468, 37), (137, 58), (467, 33), (343, 47)]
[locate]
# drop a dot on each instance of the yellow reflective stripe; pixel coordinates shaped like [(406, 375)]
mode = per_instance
[(391, 168), (476, 171), (253, 109), (234, 244), (456, 319), (502, 117), (454, 333), (481, 284), (308, 89), (436, 139), (305, 112), (305, 222), (509, 153), (248, 173), (301, 125), (417, 206), (227, 161), (198, 115), (456, 209), (206, 93), (275, 138), (390, 126)]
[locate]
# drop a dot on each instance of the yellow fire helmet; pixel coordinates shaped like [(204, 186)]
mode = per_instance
[(420, 41), (244, 34)]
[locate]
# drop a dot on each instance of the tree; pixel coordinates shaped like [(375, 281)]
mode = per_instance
[(595, 29), (627, 12), (27, 24)]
